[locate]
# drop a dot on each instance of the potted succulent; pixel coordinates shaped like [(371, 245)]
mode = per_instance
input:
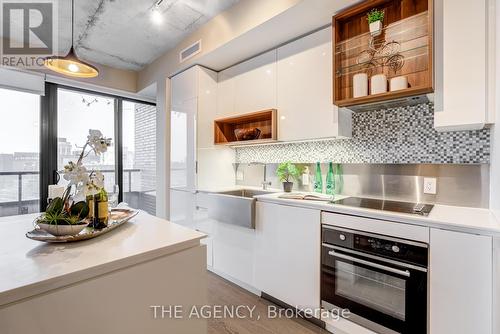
[(375, 18), (286, 172), (63, 217)]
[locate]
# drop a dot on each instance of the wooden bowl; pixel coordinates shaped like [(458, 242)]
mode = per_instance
[(247, 134)]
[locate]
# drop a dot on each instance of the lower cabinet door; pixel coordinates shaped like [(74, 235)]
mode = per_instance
[(287, 261), (460, 283), (233, 252), (182, 207)]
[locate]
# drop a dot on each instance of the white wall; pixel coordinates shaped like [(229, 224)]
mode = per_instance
[(495, 130)]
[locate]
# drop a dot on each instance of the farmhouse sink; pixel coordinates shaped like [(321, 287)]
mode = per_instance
[(235, 207), (247, 193)]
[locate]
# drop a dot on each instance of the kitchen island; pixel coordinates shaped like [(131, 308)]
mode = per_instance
[(111, 284)]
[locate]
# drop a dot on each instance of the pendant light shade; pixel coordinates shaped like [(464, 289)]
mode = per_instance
[(70, 65)]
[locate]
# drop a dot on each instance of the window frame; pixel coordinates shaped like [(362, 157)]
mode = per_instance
[(48, 135)]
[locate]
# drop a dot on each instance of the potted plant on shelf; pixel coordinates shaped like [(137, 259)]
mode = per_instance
[(375, 18), (286, 172)]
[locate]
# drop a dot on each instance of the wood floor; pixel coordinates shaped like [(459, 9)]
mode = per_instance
[(222, 292)]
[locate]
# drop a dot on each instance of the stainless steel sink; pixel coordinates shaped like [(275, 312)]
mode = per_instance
[(247, 193), (235, 207)]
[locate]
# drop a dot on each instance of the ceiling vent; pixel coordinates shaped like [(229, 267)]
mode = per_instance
[(190, 51)]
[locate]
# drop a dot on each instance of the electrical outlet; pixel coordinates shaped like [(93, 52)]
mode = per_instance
[(430, 185), (239, 175)]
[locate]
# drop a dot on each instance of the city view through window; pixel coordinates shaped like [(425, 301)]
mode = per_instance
[(19, 152), (77, 113)]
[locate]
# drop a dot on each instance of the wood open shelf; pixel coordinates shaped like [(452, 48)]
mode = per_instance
[(407, 22), (264, 120)]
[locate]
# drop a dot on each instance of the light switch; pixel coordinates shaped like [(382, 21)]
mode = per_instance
[(430, 185)]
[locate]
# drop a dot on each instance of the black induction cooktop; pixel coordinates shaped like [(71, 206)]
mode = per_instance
[(385, 205)]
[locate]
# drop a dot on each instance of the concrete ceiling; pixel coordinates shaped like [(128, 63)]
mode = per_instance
[(122, 34)]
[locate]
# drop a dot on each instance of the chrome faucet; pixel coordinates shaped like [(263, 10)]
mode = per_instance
[(265, 183)]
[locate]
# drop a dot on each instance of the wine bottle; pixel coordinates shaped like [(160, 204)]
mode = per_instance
[(330, 180), (318, 181), (101, 209)]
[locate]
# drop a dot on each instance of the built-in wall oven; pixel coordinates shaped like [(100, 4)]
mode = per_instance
[(381, 280)]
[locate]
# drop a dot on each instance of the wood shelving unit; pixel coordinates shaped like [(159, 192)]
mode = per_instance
[(406, 34), (264, 120)]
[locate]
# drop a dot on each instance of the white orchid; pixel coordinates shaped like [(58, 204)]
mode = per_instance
[(94, 184), (88, 183), (75, 173), (98, 142)]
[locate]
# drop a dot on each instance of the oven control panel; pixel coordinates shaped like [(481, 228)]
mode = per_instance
[(403, 250)]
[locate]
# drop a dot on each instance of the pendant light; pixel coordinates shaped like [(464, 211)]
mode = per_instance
[(70, 64)]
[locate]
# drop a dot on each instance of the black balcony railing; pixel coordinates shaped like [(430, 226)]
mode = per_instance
[(25, 205)]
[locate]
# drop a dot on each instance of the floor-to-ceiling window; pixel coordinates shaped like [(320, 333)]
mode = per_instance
[(39, 135), (19, 152), (139, 155), (77, 113)]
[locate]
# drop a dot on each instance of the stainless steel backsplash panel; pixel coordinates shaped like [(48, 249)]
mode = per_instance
[(462, 185)]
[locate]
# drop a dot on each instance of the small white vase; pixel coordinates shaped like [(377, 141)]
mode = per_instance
[(378, 84), (360, 85), (398, 83), (376, 28)]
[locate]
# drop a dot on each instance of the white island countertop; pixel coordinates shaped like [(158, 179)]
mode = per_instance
[(456, 218), (29, 267)]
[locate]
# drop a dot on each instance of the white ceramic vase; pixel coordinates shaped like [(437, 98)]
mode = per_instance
[(360, 85), (398, 83), (378, 84), (376, 28)]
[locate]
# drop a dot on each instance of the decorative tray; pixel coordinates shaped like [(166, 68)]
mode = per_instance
[(117, 218)]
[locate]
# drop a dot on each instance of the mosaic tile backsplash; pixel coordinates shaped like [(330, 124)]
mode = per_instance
[(390, 136)]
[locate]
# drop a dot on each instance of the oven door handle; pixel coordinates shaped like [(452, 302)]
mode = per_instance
[(370, 264)]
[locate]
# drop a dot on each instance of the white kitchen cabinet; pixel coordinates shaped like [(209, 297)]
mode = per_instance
[(247, 87), (182, 207), (207, 102), (287, 257), (460, 283), (233, 252), (194, 160), (304, 90), (465, 64), (184, 86)]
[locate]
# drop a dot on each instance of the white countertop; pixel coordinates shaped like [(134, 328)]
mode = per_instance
[(29, 267), (462, 219)]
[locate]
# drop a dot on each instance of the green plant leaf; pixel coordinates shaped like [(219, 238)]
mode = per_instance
[(287, 171), (55, 206), (375, 15), (80, 210)]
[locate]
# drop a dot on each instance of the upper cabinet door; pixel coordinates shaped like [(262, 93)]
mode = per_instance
[(463, 98), (225, 93), (255, 84), (207, 99), (184, 86), (304, 89), (247, 87)]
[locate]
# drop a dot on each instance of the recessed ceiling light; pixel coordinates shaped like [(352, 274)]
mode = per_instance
[(156, 16)]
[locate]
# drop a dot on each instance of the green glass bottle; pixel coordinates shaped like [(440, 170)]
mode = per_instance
[(318, 181), (339, 179), (330, 180)]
